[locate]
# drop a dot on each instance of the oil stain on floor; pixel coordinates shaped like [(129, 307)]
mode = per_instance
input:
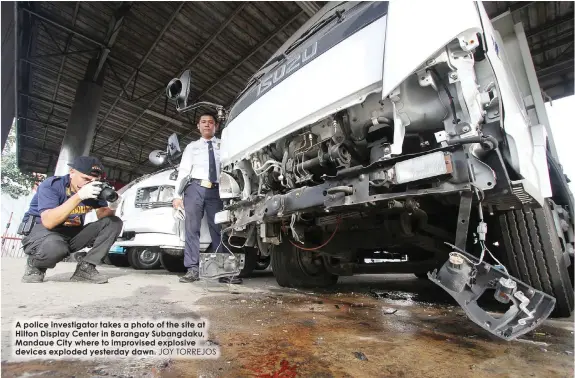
[(357, 335), (357, 331)]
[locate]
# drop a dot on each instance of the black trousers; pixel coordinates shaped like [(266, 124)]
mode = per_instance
[(48, 247), (197, 201)]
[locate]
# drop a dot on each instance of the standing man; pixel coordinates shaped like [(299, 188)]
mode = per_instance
[(57, 212), (197, 192)]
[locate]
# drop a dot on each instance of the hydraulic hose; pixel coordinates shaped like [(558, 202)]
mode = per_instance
[(371, 122)]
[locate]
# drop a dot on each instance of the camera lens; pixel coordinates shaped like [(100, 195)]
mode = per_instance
[(108, 193)]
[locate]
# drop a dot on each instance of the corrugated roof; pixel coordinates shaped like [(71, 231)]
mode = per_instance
[(549, 29), (223, 43)]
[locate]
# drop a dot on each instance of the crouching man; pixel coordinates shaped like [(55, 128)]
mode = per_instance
[(58, 210)]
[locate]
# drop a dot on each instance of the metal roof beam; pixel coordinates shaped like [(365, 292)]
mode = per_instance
[(555, 68), (69, 30), (190, 62), (63, 54), (60, 70), (113, 31), (37, 151), (250, 54), (213, 37), (549, 25), (143, 61), (551, 46), (514, 7), (60, 127), (55, 125), (44, 99), (35, 64), (309, 7)]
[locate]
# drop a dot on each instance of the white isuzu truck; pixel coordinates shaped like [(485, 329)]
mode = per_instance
[(402, 137)]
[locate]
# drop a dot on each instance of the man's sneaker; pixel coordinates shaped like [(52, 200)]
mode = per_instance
[(33, 274), (191, 276), (231, 280), (86, 272)]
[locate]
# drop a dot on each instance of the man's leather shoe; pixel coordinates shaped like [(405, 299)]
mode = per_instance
[(191, 276), (231, 280), (86, 272), (33, 274)]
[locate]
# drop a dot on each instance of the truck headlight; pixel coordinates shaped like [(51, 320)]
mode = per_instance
[(229, 187)]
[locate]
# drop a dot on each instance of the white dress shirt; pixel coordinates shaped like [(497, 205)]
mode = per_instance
[(195, 162)]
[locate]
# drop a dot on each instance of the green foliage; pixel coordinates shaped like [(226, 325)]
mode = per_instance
[(14, 182)]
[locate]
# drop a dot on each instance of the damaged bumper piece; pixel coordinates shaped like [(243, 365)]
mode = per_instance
[(218, 265), (466, 278)]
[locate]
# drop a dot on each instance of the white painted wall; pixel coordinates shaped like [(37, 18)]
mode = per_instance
[(560, 118), (18, 207)]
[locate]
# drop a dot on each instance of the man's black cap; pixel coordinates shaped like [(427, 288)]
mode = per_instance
[(88, 165)]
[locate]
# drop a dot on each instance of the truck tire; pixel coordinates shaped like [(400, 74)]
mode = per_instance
[(172, 263), (297, 268), (250, 263), (118, 260), (144, 258), (534, 254)]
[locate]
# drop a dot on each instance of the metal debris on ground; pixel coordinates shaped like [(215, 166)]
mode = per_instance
[(389, 311), (540, 343), (360, 356)]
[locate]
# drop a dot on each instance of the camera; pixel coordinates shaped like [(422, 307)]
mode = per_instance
[(108, 193)]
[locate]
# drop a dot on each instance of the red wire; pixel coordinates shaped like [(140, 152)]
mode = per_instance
[(324, 244)]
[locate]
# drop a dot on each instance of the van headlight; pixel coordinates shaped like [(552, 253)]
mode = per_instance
[(229, 187), (152, 197)]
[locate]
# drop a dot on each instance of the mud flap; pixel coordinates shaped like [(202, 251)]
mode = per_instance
[(217, 265), (465, 278)]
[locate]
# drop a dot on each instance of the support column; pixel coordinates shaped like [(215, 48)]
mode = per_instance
[(83, 117)]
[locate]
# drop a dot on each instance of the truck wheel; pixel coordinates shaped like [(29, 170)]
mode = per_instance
[(534, 254), (250, 263), (171, 263), (263, 263), (118, 260), (297, 268), (144, 258)]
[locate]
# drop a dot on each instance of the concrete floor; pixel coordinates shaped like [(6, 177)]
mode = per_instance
[(413, 329)]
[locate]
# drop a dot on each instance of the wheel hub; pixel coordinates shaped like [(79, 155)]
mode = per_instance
[(310, 264), (147, 256)]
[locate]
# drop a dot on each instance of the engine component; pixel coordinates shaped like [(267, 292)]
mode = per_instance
[(375, 121), (217, 265), (466, 278), (336, 154)]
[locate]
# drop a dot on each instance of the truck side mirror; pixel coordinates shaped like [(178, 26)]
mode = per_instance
[(157, 157), (178, 89)]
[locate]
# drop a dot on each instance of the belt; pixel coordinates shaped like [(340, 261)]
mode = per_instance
[(206, 183)]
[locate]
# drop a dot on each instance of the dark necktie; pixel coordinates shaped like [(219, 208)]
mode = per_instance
[(213, 177)]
